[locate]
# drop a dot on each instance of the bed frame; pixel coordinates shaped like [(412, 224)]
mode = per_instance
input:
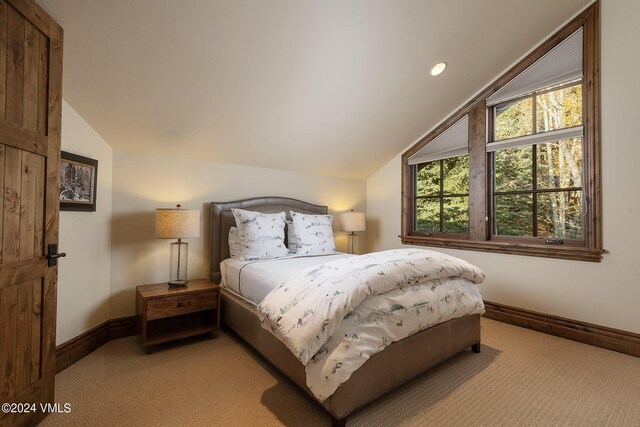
[(385, 371)]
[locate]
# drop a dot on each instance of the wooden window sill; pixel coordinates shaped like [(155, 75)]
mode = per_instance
[(515, 248)]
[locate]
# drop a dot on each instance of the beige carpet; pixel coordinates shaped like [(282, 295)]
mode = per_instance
[(521, 378)]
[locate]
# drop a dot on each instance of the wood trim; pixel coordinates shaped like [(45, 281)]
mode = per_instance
[(477, 179), (587, 333), (504, 247), (625, 342), (122, 327), (76, 348), (592, 132)]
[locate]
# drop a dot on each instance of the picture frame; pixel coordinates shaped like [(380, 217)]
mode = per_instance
[(78, 182)]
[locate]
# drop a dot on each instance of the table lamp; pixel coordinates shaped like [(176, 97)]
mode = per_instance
[(178, 224), (352, 222)]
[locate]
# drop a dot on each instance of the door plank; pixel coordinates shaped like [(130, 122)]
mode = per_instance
[(27, 205), (35, 14), (38, 246), (30, 99), (54, 125), (22, 271), (43, 78), (22, 138), (48, 336), (8, 318), (3, 57), (23, 337), (11, 220), (36, 313), (15, 67), (2, 170)]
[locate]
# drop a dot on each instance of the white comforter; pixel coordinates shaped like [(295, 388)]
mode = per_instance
[(333, 317)]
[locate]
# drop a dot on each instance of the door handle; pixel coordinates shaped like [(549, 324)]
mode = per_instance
[(53, 255)]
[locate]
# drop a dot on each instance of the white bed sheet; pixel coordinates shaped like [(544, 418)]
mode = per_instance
[(253, 280)]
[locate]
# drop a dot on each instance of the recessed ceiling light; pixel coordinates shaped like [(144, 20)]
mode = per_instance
[(438, 68)]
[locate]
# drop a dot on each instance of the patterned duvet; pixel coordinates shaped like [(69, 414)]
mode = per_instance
[(333, 317)]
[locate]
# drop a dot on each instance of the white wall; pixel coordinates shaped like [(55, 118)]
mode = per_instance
[(84, 275), (606, 293), (143, 183)]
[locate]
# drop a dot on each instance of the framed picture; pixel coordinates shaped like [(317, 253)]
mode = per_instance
[(78, 183)]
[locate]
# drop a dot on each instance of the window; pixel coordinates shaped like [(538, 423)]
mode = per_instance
[(517, 169), (440, 172), (537, 188), (442, 196)]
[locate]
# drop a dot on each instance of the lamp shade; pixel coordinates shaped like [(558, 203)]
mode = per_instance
[(177, 223), (353, 221)]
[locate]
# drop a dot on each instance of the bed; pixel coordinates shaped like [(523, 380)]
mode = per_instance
[(383, 372)]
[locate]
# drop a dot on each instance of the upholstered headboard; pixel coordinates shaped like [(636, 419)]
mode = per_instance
[(222, 220)]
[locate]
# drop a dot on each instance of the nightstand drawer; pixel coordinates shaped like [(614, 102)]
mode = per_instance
[(176, 305)]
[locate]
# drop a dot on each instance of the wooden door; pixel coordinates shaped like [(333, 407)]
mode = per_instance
[(30, 116)]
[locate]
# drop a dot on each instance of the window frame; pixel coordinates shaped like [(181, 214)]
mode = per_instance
[(491, 167), (480, 235)]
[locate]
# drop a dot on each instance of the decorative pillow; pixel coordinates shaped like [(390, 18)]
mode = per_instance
[(235, 243), (292, 239), (260, 235), (314, 234)]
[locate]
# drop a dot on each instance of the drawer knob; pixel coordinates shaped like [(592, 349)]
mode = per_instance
[(183, 304)]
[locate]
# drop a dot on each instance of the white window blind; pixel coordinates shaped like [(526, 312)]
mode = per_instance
[(538, 138), (561, 64), (452, 142)]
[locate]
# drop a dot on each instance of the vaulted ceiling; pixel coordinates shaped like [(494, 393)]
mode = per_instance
[(331, 87)]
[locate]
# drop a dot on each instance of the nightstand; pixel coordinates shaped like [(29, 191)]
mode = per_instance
[(165, 314)]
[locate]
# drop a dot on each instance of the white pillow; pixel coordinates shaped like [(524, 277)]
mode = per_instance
[(260, 235), (235, 243), (314, 234), (292, 239)]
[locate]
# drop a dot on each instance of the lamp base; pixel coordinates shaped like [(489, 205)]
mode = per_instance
[(178, 284), (353, 240), (178, 265)]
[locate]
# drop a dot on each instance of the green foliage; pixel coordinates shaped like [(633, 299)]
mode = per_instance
[(428, 215), (514, 215), (456, 214), (428, 179), (456, 175), (513, 168), (514, 119), (450, 196)]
